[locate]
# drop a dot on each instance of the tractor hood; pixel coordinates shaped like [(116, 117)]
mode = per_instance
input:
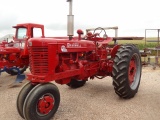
[(63, 45)]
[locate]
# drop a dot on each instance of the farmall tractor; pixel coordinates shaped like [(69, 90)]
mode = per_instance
[(14, 57), (73, 62)]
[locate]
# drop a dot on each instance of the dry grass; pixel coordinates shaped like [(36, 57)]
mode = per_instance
[(142, 44)]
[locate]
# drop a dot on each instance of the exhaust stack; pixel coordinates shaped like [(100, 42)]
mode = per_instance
[(70, 21)]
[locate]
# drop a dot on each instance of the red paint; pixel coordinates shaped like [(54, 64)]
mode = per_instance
[(132, 70)]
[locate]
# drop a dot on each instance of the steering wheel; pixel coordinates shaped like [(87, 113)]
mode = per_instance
[(98, 34)]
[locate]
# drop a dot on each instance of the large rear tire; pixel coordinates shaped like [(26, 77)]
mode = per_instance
[(42, 102), (126, 72), (76, 83)]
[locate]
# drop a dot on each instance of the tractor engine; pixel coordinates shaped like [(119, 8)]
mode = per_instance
[(63, 60)]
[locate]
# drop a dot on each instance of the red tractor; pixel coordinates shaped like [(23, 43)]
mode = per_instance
[(14, 57), (73, 61)]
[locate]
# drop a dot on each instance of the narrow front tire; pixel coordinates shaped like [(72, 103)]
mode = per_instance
[(42, 102)]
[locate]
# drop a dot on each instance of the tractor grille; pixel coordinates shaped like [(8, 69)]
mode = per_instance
[(38, 57)]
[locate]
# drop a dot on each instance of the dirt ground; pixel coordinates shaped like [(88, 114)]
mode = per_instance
[(95, 101)]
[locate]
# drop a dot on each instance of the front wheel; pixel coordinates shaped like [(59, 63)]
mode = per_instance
[(42, 102), (22, 96), (127, 71)]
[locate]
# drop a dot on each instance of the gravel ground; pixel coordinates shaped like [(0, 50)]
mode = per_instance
[(95, 101)]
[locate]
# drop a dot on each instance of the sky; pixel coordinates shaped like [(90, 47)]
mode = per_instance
[(131, 16)]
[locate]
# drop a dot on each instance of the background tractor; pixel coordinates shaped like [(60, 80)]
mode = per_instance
[(14, 57)]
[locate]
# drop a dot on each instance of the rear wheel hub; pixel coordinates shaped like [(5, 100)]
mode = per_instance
[(132, 70)]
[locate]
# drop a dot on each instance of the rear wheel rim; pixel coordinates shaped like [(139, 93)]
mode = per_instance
[(134, 71)]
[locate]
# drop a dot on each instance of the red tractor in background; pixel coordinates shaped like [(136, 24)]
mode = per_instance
[(73, 61), (14, 57)]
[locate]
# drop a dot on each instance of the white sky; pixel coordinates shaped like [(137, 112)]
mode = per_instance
[(131, 16)]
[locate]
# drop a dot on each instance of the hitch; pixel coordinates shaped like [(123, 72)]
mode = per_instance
[(3, 70), (20, 77)]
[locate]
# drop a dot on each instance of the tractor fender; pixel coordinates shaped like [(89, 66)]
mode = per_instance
[(114, 50)]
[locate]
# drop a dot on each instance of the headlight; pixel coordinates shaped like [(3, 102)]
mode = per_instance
[(29, 43)]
